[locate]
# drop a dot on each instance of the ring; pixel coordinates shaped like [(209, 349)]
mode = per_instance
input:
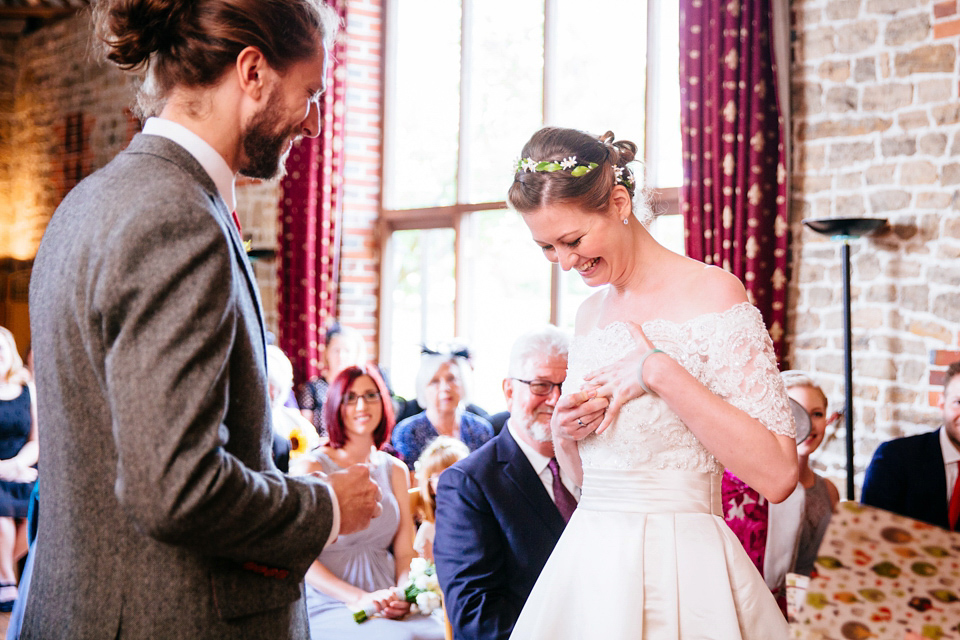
[(580, 422)]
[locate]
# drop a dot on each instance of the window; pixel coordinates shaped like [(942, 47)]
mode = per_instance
[(468, 82)]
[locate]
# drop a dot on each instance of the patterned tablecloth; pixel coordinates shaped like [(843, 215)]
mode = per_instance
[(879, 575)]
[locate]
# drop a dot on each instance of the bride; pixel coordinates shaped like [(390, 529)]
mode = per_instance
[(671, 379)]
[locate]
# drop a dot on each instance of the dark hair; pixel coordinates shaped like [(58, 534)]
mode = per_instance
[(192, 42), (532, 190), (335, 397), (952, 371)]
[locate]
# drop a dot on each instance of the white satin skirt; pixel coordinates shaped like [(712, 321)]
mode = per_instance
[(648, 555)]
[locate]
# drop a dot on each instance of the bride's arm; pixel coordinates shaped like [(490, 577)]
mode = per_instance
[(763, 459)]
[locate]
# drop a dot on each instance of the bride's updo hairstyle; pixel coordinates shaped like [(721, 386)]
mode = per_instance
[(191, 43), (533, 189)]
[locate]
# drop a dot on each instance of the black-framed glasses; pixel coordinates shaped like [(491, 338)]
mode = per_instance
[(540, 387), (370, 397)]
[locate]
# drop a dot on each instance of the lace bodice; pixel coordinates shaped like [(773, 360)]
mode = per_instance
[(729, 352)]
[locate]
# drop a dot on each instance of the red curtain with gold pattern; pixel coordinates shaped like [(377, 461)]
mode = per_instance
[(309, 226), (734, 193)]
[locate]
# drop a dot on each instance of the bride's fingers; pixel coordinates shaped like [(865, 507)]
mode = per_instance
[(610, 415), (639, 336), (574, 400)]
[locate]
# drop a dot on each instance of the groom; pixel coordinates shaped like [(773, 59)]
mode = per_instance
[(161, 511), (501, 510)]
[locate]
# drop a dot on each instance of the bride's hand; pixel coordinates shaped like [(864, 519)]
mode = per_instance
[(577, 415), (620, 380)]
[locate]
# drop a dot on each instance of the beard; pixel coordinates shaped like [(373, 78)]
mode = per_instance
[(533, 427), (263, 147)]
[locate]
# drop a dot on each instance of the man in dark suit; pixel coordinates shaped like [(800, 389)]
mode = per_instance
[(917, 476), (162, 514), (501, 510)]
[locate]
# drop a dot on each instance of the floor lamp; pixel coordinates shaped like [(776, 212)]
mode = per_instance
[(844, 230)]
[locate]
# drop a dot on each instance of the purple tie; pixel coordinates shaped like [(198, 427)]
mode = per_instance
[(566, 503)]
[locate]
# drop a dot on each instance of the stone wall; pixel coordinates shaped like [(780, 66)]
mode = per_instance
[(876, 133)]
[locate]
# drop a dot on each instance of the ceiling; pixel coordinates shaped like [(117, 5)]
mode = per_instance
[(18, 16)]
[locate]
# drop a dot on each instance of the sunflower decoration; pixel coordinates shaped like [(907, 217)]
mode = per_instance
[(299, 444)]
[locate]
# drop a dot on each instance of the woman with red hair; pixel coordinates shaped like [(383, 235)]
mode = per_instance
[(360, 569)]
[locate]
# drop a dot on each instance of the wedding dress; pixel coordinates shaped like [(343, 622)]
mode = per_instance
[(647, 553)]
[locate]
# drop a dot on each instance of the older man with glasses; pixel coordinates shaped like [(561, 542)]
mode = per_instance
[(501, 510)]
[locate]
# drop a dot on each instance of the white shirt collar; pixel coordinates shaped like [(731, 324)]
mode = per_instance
[(537, 460), (949, 450), (211, 161)]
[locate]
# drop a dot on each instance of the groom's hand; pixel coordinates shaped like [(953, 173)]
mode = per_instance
[(358, 497)]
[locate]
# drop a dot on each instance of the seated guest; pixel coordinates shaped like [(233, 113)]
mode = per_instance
[(917, 476), (439, 455), (821, 495), (18, 460), (343, 347), (408, 408), (442, 388), (501, 510), (360, 568), (288, 423)]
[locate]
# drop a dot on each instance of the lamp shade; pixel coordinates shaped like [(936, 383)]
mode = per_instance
[(845, 227)]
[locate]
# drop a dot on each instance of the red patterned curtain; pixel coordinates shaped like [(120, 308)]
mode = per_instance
[(734, 194), (309, 236)]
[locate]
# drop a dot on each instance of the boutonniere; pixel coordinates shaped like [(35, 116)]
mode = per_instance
[(247, 245)]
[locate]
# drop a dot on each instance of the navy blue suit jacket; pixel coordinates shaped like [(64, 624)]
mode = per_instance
[(496, 527), (906, 476)]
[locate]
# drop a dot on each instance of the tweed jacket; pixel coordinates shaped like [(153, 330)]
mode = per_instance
[(162, 514)]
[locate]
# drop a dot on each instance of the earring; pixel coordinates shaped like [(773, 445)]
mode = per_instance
[(626, 221)]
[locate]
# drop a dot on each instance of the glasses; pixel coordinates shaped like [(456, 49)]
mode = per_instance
[(540, 387), (370, 397)]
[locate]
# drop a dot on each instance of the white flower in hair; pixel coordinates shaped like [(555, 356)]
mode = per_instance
[(569, 163), (617, 173), (528, 164)]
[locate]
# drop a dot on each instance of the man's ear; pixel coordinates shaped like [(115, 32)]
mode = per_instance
[(252, 72), (508, 391)]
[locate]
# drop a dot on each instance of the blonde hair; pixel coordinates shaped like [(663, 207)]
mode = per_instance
[(443, 452), (797, 378), (17, 373)]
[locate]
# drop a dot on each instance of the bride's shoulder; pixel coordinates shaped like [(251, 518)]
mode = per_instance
[(712, 290)]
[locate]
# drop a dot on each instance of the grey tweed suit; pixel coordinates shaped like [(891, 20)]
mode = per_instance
[(161, 512)]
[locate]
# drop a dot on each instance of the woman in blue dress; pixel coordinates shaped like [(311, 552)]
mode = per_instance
[(442, 389), (18, 460), (360, 569)]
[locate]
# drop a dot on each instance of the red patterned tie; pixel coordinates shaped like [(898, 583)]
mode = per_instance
[(954, 510), (236, 221), (566, 503)]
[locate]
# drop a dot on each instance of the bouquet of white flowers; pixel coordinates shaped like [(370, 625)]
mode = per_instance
[(422, 591)]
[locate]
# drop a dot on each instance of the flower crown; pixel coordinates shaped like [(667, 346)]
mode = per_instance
[(523, 165)]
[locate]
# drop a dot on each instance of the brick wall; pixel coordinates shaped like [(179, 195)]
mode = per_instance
[(52, 76), (360, 245), (876, 133)]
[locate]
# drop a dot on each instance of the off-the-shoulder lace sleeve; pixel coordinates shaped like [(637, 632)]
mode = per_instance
[(740, 367)]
